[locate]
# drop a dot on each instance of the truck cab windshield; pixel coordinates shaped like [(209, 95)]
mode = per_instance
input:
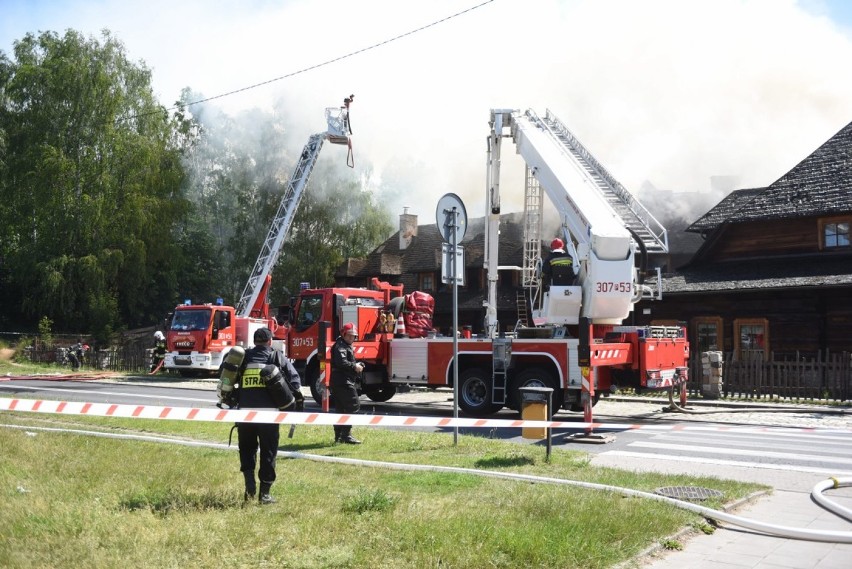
[(191, 320)]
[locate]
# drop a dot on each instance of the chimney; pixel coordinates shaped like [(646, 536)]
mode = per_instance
[(407, 228)]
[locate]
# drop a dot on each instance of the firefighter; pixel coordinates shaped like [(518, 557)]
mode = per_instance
[(75, 354), (253, 394), (557, 268), (344, 375), (159, 350)]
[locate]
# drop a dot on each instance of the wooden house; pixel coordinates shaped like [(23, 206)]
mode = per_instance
[(774, 272), (412, 257)]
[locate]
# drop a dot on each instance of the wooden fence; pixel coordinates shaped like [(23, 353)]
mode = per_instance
[(820, 376)]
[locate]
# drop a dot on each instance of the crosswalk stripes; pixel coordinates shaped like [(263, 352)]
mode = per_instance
[(822, 454)]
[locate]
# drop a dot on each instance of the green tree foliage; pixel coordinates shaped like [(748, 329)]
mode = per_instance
[(336, 220), (90, 184), (240, 169)]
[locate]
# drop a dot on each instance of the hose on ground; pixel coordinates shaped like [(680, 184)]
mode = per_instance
[(830, 536)]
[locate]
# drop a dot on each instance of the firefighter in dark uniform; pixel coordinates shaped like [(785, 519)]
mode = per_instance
[(253, 394), (344, 375), (557, 268), (159, 350)]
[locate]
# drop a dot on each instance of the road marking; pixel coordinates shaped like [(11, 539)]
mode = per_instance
[(738, 452), (211, 400), (720, 462)]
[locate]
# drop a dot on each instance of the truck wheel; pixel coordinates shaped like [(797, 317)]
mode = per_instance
[(313, 381), (380, 394), (537, 377), (475, 393)]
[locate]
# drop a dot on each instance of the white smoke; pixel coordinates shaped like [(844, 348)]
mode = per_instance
[(665, 93)]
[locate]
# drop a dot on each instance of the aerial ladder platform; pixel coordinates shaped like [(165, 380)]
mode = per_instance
[(254, 294)]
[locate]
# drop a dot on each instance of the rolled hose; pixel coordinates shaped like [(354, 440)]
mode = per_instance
[(830, 536)]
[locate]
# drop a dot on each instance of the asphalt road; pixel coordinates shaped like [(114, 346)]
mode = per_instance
[(789, 449)]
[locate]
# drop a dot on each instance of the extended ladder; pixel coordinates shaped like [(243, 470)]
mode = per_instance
[(636, 218), (533, 204), (280, 224)]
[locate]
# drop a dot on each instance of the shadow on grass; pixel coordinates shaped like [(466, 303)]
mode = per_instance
[(503, 461), (167, 502)]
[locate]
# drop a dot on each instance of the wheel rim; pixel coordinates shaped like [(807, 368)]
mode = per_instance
[(474, 392)]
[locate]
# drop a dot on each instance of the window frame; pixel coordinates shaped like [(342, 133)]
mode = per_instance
[(835, 220), (714, 320), (738, 326), (421, 278)]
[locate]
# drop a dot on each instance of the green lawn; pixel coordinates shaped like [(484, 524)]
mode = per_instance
[(73, 500)]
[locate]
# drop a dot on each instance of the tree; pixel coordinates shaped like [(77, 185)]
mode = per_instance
[(336, 221), (91, 184)]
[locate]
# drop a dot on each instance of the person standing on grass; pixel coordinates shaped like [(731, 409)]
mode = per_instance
[(344, 376), (253, 394)]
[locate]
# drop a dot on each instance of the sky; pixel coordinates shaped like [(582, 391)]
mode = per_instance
[(682, 100)]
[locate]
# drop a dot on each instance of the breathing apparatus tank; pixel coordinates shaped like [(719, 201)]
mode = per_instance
[(229, 376), (277, 386)]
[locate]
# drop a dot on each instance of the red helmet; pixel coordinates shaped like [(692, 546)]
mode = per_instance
[(557, 244), (348, 328)]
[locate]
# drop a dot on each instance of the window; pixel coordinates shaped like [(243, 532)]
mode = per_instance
[(751, 338), (834, 232), (310, 312), (707, 334), (427, 281)]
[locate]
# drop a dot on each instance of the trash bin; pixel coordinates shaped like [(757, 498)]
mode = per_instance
[(535, 405)]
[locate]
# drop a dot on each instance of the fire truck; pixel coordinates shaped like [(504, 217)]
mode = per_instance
[(575, 341), (201, 335)]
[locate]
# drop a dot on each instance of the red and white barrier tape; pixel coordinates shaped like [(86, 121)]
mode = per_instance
[(309, 418)]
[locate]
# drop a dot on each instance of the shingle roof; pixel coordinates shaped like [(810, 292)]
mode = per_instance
[(724, 210), (762, 274), (821, 184), (424, 254)]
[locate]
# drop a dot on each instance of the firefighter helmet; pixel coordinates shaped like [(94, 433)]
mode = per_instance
[(159, 335), (348, 328), (556, 244)]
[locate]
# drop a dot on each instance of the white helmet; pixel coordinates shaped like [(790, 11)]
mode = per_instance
[(159, 335)]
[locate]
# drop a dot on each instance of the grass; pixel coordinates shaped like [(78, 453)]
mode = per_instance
[(69, 500)]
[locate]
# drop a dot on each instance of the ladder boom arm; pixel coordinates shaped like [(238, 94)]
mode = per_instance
[(252, 300)]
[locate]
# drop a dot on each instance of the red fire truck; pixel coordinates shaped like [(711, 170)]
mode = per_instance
[(575, 343)]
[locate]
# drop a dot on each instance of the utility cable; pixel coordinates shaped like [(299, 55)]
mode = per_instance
[(322, 64)]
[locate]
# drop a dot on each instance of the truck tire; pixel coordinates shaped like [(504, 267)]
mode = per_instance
[(380, 393), (475, 393), (537, 377), (312, 378)]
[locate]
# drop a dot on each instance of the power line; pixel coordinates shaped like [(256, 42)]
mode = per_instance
[(334, 60)]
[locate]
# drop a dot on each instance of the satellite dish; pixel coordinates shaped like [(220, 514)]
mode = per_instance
[(450, 206)]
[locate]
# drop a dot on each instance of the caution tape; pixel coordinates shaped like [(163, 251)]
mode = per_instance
[(217, 415)]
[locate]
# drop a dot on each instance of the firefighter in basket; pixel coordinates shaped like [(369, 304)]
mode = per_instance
[(268, 380)]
